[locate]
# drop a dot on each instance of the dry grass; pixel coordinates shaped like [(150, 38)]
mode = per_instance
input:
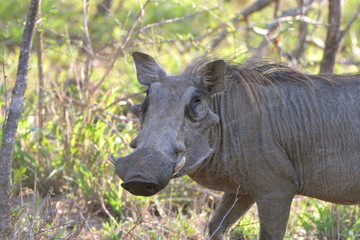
[(166, 216), (169, 216), (59, 217)]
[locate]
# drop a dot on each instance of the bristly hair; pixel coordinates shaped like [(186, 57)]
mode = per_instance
[(254, 73)]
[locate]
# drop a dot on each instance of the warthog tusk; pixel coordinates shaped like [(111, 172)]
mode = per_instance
[(180, 165), (112, 159)]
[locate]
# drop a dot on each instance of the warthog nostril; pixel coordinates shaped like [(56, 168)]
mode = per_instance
[(151, 188), (141, 187)]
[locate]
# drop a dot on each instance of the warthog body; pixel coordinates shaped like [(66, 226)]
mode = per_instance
[(261, 133)]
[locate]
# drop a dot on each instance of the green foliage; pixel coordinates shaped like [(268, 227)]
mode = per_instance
[(83, 118), (248, 227), (329, 221), (110, 230)]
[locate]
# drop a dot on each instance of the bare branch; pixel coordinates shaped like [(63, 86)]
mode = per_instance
[(333, 39), (97, 109), (124, 98), (87, 39), (298, 52), (13, 25), (335, 35), (103, 8), (292, 14), (301, 10), (5, 83), (352, 21), (122, 46), (257, 6), (87, 46), (227, 213), (41, 81), (40, 91), (106, 211), (170, 21)]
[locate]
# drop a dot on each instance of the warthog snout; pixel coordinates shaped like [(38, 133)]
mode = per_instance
[(138, 186), (146, 171)]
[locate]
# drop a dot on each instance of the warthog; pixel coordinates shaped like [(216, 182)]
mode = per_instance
[(260, 132)]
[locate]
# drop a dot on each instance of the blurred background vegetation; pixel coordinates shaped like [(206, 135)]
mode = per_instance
[(82, 82)]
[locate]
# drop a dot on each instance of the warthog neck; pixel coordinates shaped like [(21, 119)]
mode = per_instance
[(225, 169)]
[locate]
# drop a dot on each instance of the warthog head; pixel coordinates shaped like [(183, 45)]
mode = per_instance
[(175, 117)]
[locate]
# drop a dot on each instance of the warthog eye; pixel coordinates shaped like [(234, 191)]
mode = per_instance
[(196, 109), (195, 100)]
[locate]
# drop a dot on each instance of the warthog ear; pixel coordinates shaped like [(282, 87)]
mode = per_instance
[(148, 70), (213, 78)]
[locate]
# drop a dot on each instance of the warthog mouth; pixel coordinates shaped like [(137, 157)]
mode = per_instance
[(145, 180)]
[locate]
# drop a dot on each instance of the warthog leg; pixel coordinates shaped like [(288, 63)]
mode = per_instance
[(230, 209), (274, 211)]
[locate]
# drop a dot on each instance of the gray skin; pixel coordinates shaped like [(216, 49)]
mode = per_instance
[(261, 141)]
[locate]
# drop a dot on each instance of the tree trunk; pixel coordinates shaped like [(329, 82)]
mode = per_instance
[(299, 50), (12, 119), (333, 38)]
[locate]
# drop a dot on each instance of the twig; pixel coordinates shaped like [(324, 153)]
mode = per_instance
[(299, 18), (87, 44), (17, 218), (243, 225), (117, 117), (13, 25), (78, 230), (5, 85), (109, 11), (41, 82), (333, 40), (138, 222), (40, 120), (200, 189), (12, 213), (293, 14), (348, 62), (106, 211), (124, 99), (38, 209), (170, 21), (7, 215), (103, 8), (257, 6), (122, 46), (112, 128), (87, 225), (352, 21), (97, 109), (227, 213), (301, 10)]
